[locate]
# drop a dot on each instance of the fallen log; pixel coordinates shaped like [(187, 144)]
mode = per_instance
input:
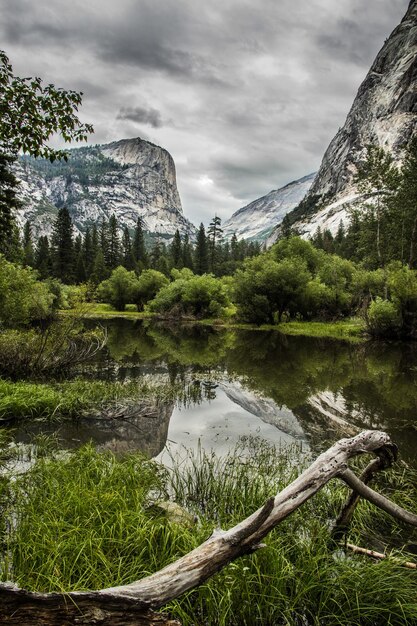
[(133, 603)]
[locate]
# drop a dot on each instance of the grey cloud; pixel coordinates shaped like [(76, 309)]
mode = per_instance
[(246, 94), (141, 115)]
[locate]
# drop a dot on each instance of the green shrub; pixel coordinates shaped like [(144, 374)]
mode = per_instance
[(120, 289), (196, 296), (148, 285), (23, 299), (384, 318)]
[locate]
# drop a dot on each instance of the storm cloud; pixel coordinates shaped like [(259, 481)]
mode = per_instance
[(246, 96), (141, 115)]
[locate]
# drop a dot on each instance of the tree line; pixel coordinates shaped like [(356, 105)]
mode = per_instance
[(103, 247)]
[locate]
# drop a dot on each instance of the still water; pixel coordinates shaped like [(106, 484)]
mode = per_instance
[(235, 383)]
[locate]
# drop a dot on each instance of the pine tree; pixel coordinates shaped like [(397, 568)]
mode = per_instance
[(80, 271), (176, 250), (138, 247), (187, 253), (103, 240), (405, 205), (201, 260), (63, 247), (156, 254), (94, 241), (100, 271), (234, 248), (28, 247), (80, 274), (214, 235), (378, 175), (43, 262), (127, 253), (114, 244), (88, 250)]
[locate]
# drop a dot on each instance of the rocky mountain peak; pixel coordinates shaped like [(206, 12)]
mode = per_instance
[(384, 113), (131, 178)]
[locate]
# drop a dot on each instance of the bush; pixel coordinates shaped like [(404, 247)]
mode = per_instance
[(266, 288), (384, 318), (196, 296), (23, 299), (119, 289), (148, 285)]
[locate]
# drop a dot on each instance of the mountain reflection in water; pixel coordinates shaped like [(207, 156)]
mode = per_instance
[(248, 382)]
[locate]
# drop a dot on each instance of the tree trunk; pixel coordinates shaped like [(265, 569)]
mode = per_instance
[(131, 604)]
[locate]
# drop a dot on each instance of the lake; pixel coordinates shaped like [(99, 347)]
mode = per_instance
[(234, 383)]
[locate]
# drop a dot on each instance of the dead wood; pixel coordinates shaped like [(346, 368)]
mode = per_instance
[(378, 555), (130, 604)]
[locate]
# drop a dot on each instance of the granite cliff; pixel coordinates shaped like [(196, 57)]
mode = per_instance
[(384, 113), (257, 220), (131, 178)]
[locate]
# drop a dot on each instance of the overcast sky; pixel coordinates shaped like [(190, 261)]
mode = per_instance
[(245, 94)]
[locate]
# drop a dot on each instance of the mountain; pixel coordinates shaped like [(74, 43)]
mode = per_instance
[(131, 178), (384, 113), (257, 220)]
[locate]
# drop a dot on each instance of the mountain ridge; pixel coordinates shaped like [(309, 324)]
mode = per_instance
[(267, 209)]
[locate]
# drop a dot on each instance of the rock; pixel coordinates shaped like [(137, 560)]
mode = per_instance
[(174, 513), (131, 178), (384, 113), (257, 220)]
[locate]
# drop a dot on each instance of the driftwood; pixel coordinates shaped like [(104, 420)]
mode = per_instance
[(378, 555), (132, 603)]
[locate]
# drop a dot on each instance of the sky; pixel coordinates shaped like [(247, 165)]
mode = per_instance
[(246, 95)]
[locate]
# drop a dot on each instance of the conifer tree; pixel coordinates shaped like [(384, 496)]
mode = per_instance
[(187, 253), (63, 247), (214, 235), (114, 244), (176, 250), (378, 175), (405, 205), (43, 262), (80, 271), (201, 260), (103, 240), (88, 250), (138, 247), (100, 271), (28, 247), (80, 274), (127, 253), (234, 248)]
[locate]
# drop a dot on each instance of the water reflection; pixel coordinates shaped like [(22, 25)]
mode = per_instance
[(290, 387)]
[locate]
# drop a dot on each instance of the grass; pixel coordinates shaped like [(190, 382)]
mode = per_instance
[(86, 521), (71, 399), (97, 310), (352, 329)]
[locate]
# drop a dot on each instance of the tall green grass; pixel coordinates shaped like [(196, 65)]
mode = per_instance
[(87, 521), (74, 398)]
